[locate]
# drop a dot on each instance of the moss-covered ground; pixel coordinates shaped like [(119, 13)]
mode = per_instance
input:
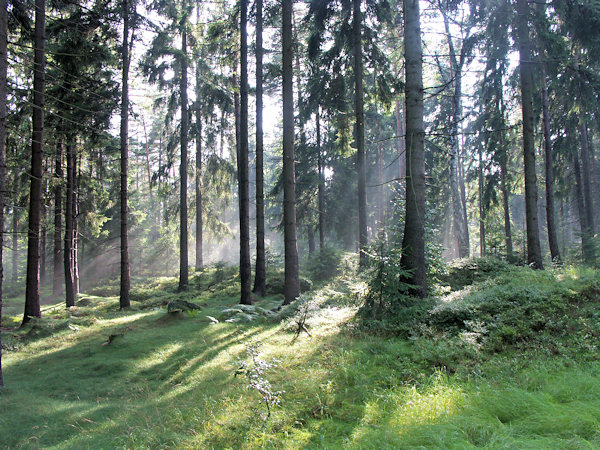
[(509, 359)]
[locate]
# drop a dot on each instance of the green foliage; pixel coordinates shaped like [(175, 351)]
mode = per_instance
[(325, 264)]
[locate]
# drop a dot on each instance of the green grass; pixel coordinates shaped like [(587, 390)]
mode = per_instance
[(170, 381)]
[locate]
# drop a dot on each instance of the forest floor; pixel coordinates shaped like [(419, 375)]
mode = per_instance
[(500, 357)]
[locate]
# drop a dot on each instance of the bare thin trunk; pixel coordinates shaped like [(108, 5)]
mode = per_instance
[(586, 178), (292, 281), (413, 243), (400, 141), (69, 215), (360, 132), (15, 245), (548, 163), (124, 301), (32, 290), (321, 191), (534, 252), (183, 171), (244, 193), (199, 221), (460, 226), (58, 276), (3, 114), (482, 248), (260, 274), (505, 203), (586, 244)]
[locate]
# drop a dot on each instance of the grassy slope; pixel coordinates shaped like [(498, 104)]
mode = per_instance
[(169, 382)]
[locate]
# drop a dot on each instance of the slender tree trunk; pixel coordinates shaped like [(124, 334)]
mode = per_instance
[(534, 252), (43, 246), (69, 232), (57, 262), (310, 234), (586, 178), (505, 202), (199, 221), (360, 133), (75, 260), (482, 249), (586, 244), (292, 280), (124, 301), (183, 171), (380, 225), (401, 139), (321, 188), (460, 226), (32, 290), (413, 243), (548, 163), (3, 116), (15, 245), (260, 275), (244, 193)]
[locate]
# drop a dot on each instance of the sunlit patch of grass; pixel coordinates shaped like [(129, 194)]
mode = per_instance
[(170, 382)]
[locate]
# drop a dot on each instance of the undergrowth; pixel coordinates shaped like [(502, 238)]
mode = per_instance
[(506, 357)]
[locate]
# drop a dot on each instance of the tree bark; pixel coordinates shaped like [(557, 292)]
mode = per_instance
[(586, 178), (461, 228), (3, 117), (15, 245), (292, 280), (361, 169), (549, 168), (183, 171), (321, 188), (482, 249), (401, 139), (413, 243), (124, 300), (32, 290), (586, 244), (505, 200), (243, 182), (199, 217), (260, 274), (534, 253), (69, 232)]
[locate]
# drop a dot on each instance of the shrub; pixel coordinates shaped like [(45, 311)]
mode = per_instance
[(325, 264)]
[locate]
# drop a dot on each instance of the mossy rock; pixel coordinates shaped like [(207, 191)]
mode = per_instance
[(241, 317)]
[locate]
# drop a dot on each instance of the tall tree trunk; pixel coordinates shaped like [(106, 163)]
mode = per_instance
[(413, 243), (69, 232), (548, 163), (32, 290), (460, 226), (76, 180), (124, 300), (401, 139), (43, 246), (534, 252), (586, 178), (244, 193), (321, 188), (505, 202), (292, 280), (586, 244), (183, 171), (3, 115), (198, 183), (260, 274), (380, 224), (310, 234), (15, 245), (361, 168), (482, 249)]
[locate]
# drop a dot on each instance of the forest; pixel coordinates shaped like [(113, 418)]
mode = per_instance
[(299, 224)]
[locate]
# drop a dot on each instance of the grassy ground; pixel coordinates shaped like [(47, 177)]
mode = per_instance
[(464, 378)]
